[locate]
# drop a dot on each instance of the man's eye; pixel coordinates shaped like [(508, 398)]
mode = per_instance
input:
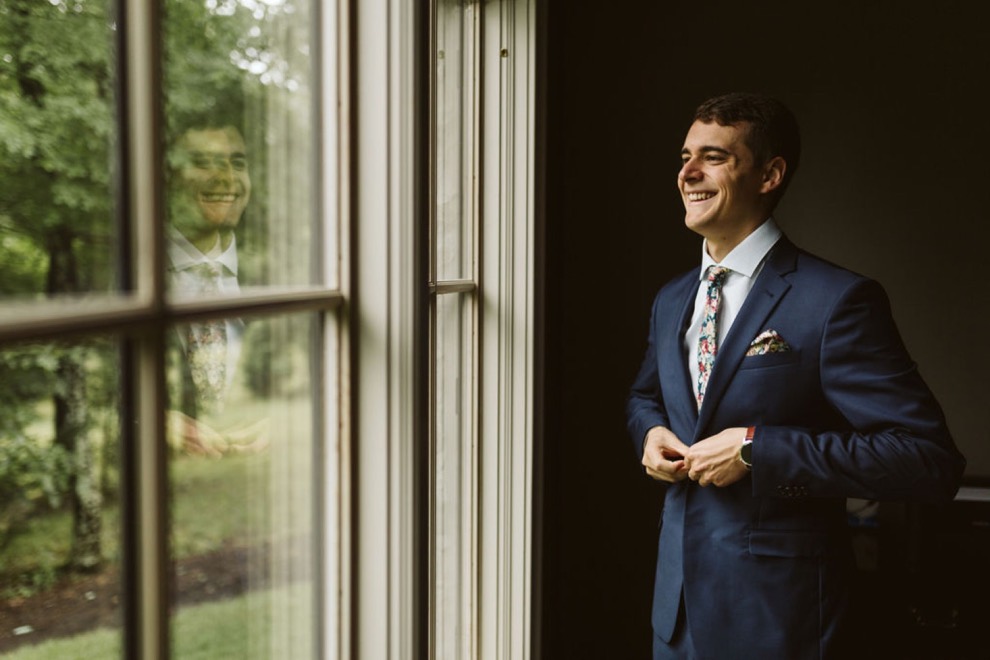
[(202, 162), (239, 163), (712, 158)]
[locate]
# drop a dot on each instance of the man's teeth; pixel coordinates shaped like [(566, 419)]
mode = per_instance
[(219, 197), (699, 196)]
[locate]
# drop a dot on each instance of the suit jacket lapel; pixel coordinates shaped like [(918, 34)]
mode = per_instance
[(680, 402), (766, 293)]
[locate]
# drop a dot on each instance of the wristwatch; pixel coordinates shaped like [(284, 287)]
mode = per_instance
[(746, 449)]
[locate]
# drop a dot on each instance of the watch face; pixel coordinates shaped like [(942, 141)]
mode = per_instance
[(746, 453)]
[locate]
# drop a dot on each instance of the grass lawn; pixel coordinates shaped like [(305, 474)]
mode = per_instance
[(213, 502), (256, 501), (247, 626)]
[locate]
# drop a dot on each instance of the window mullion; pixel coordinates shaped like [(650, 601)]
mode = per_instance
[(141, 174)]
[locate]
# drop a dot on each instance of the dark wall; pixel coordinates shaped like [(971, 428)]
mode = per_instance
[(893, 184)]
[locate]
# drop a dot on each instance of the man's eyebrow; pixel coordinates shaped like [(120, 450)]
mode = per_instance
[(707, 150), (197, 153)]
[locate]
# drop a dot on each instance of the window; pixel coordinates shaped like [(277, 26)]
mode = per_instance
[(230, 300), (170, 315), (481, 328), (453, 460)]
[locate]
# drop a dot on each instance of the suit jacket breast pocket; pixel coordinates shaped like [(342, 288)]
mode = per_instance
[(768, 360)]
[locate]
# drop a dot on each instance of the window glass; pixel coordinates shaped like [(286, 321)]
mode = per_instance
[(239, 146), (455, 138), (57, 214), (60, 544), (453, 480), (243, 486)]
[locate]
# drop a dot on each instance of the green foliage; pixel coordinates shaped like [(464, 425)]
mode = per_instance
[(58, 218), (38, 473), (56, 141), (31, 474), (24, 263)]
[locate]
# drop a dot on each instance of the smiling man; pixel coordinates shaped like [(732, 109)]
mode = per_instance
[(210, 186), (774, 386), (208, 192)]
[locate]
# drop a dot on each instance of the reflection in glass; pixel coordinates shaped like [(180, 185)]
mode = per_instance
[(240, 146), (57, 214), (455, 127), (59, 499), (242, 499), (454, 459)]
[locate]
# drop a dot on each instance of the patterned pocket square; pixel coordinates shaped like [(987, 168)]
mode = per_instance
[(768, 341)]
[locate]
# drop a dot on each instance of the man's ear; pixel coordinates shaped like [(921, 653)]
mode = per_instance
[(773, 174)]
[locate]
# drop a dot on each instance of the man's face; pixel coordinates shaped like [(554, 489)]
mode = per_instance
[(720, 182), (211, 184)]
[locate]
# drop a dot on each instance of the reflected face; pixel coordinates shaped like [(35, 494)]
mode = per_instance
[(719, 181), (211, 185)]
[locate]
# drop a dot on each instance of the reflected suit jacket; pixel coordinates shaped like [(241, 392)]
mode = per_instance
[(840, 411)]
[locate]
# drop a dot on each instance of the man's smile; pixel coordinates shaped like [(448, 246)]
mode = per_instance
[(699, 196), (223, 197)]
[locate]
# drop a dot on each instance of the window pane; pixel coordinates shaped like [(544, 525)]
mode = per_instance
[(455, 137), (241, 420), (240, 146), (57, 95), (454, 502), (59, 499)]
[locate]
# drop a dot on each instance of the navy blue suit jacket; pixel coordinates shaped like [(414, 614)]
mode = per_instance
[(763, 563)]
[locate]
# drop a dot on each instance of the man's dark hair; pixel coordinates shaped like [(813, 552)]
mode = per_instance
[(211, 111), (773, 129), (202, 119)]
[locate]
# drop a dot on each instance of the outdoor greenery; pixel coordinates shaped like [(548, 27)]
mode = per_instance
[(60, 237), (208, 511)]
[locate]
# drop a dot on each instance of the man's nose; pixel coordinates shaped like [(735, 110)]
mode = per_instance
[(222, 167), (689, 170)]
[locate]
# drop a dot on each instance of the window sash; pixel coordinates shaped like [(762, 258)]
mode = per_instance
[(140, 316)]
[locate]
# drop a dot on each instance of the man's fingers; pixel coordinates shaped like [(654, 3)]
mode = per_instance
[(669, 471), (675, 446)]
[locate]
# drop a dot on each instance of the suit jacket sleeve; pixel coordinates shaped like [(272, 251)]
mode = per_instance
[(644, 407), (895, 444)]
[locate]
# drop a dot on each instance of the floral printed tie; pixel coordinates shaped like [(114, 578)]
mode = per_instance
[(206, 344), (708, 338)]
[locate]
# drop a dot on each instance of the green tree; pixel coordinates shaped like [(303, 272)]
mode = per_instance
[(56, 91)]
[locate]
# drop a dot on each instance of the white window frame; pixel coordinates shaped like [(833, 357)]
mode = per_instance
[(386, 322)]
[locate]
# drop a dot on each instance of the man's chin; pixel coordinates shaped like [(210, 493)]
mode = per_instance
[(220, 216), (696, 223)]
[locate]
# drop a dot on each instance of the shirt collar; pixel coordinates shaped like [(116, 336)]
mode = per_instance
[(184, 254), (746, 257)]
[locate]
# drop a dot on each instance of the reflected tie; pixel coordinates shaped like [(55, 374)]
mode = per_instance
[(708, 338), (206, 343)]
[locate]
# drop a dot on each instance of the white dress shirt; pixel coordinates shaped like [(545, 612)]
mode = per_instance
[(744, 263), (185, 282)]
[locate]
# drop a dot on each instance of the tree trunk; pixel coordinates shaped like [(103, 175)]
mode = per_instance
[(72, 421)]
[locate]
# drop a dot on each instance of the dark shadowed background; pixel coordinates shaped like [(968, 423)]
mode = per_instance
[(893, 184)]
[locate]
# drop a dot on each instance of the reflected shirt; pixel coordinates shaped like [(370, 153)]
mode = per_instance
[(185, 282)]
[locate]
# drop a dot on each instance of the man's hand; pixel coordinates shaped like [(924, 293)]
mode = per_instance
[(185, 434), (715, 460), (663, 455)]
